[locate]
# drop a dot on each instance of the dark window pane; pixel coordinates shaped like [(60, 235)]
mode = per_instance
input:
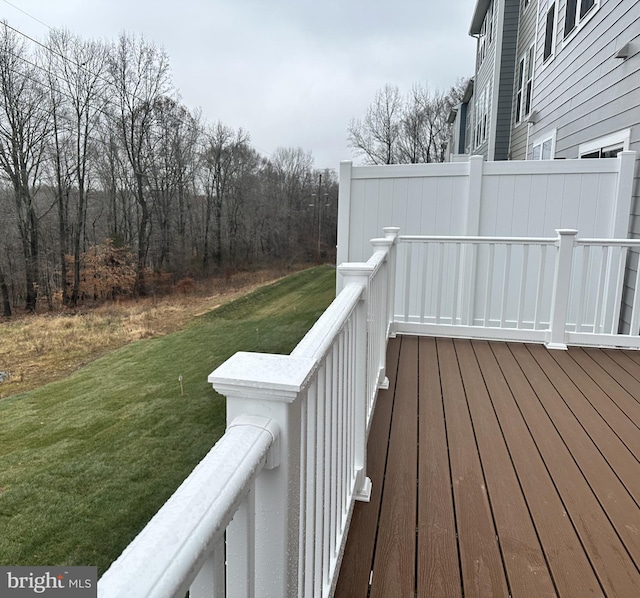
[(585, 6), (611, 153), (570, 17), (548, 38)]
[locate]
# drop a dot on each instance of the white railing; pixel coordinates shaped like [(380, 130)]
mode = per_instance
[(273, 499), (283, 479), (182, 548), (561, 290)]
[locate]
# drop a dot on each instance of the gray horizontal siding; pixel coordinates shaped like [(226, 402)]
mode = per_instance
[(526, 36), (585, 93), (505, 84)]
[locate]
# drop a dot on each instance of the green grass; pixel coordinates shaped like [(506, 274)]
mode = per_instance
[(87, 461)]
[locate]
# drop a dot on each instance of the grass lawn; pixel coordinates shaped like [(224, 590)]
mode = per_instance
[(85, 462)]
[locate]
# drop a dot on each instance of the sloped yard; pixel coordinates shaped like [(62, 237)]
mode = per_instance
[(85, 462)]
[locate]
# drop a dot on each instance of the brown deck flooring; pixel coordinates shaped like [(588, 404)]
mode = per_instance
[(500, 470)]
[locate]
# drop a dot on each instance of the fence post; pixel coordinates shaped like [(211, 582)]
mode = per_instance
[(561, 286), (359, 273), (344, 215), (623, 195), (474, 197), (269, 386)]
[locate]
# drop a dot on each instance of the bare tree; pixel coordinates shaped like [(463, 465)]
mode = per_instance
[(376, 137), (222, 160), (76, 73), (24, 126), (409, 129), (140, 74)]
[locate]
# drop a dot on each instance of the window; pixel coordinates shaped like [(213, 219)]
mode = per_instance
[(606, 147), (544, 147), (489, 19), (549, 35), (529, 83), (524, 85), (482, 117), (520, 83), (486, 34), (576, 11)]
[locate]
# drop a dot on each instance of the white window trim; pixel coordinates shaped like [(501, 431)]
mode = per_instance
[(540, 139), (620, 137), (580, 23), (482, 110), (554, 40), (529, 53)]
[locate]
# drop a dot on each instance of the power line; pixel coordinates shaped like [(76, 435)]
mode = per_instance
[(24, 12), (95, 75)]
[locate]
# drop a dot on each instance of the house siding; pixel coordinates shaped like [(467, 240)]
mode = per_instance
[(504, 95), (585, 93), (485, 72), (526, 37)]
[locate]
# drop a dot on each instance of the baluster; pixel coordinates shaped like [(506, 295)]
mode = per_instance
[(438, 286), (583, 298), (635, 309), (210, 581), (542, 264), (505, 284), (523, 284), (489, 287), (600, 294), (456, 280)]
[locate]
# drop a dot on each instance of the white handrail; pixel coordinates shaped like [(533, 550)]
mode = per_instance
[(477, 240), (317, 341), (165, 558)]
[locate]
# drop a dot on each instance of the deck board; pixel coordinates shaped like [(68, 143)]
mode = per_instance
[(524, 561), (481, 564), (507, 470), (394, 560), (438, 567)]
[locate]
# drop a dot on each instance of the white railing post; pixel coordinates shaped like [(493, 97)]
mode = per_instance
[(359, 274), (561, 287), (391, 232), (269, 386), (379, 308)]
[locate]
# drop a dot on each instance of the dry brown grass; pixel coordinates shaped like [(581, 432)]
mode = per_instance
[(38, 349)]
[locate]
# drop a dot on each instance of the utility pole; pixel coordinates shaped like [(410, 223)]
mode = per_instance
[(319, 212)]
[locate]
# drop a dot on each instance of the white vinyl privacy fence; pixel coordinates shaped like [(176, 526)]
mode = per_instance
[(476, 198)]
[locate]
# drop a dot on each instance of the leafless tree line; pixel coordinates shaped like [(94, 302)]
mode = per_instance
[(95, 148), (407, 129)]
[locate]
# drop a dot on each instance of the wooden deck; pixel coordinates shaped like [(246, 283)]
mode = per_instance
[(500, 470)]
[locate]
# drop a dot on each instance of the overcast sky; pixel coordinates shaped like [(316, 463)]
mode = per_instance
[(291, 73)]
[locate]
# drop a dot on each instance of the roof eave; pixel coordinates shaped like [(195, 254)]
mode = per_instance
[(478, 16)]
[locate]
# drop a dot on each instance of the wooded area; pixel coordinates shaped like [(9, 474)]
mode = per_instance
[(111, 186)]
